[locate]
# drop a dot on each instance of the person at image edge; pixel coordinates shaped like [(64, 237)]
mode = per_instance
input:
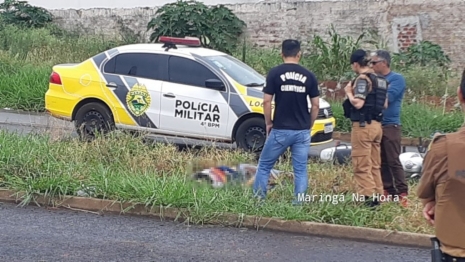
[(291, 85), (442, 188)]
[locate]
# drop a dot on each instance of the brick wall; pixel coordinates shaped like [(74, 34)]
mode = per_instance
[(399, 22), (440, 22), (406, 32)]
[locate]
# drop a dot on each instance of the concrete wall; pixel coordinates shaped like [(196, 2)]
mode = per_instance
[(400, 22), (86, 4)]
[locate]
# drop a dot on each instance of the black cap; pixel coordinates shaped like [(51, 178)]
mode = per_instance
[(358, 56)]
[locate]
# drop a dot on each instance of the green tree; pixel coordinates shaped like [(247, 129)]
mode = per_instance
[(217, 27), (21, 13)]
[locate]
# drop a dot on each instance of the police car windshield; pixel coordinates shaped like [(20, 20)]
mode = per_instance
[(237, 70)]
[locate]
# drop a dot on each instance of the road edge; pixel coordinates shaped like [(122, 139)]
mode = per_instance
[(297, 227), (341, 136), (337, 135)]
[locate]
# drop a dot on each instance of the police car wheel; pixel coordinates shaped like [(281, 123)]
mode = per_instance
[(251, 135), (93, 118)]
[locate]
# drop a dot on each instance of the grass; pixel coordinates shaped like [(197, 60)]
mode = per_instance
[(27, 56), (23, 86), (418, 120), (121, 167)]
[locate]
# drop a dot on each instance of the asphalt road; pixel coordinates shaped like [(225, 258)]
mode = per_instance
[(36, 234)]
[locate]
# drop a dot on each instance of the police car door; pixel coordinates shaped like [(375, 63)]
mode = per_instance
[(134, 77), (190, 108)]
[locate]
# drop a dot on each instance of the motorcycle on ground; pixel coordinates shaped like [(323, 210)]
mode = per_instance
[(338, 154), (412, 162)]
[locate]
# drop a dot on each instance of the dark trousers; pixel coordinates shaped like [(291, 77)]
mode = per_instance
[(392, 172)]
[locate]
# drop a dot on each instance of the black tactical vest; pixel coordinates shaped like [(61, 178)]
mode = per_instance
[(374, 102)]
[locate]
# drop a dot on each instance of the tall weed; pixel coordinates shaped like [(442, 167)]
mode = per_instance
[(428, 80), (330, 58), (43, 46), (418, 120), (27, 55)]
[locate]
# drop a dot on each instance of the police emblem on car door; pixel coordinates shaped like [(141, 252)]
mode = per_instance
[(138, 99), (134, 79)]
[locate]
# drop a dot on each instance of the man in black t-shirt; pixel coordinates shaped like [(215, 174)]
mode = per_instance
[(290, 84)]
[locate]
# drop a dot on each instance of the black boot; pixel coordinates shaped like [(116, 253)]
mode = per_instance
[(371, 202)]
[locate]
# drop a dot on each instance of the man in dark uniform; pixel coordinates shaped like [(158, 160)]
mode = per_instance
[(364, 106), (291, 85), (442, 189)]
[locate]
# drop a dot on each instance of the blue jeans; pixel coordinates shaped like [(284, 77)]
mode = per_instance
[(276, 144)]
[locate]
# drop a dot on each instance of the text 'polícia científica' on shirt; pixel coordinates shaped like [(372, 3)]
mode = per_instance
[(295, 77)]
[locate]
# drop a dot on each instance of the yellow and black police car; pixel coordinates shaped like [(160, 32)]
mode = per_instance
[(173, 88)]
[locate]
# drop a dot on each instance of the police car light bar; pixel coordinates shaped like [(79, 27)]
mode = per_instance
[(188, 41)]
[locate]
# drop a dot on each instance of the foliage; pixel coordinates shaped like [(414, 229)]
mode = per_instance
[(121, 167), (373, 40), (23, 14), (217, 27), (428, 80), (424, 53), (332, 56), (47, 46), (421, 81), (27, 55), (342, 124), (258, 58), (23, 86), (418, 120)]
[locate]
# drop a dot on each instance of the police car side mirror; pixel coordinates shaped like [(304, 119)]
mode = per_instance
[(215, 84)]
